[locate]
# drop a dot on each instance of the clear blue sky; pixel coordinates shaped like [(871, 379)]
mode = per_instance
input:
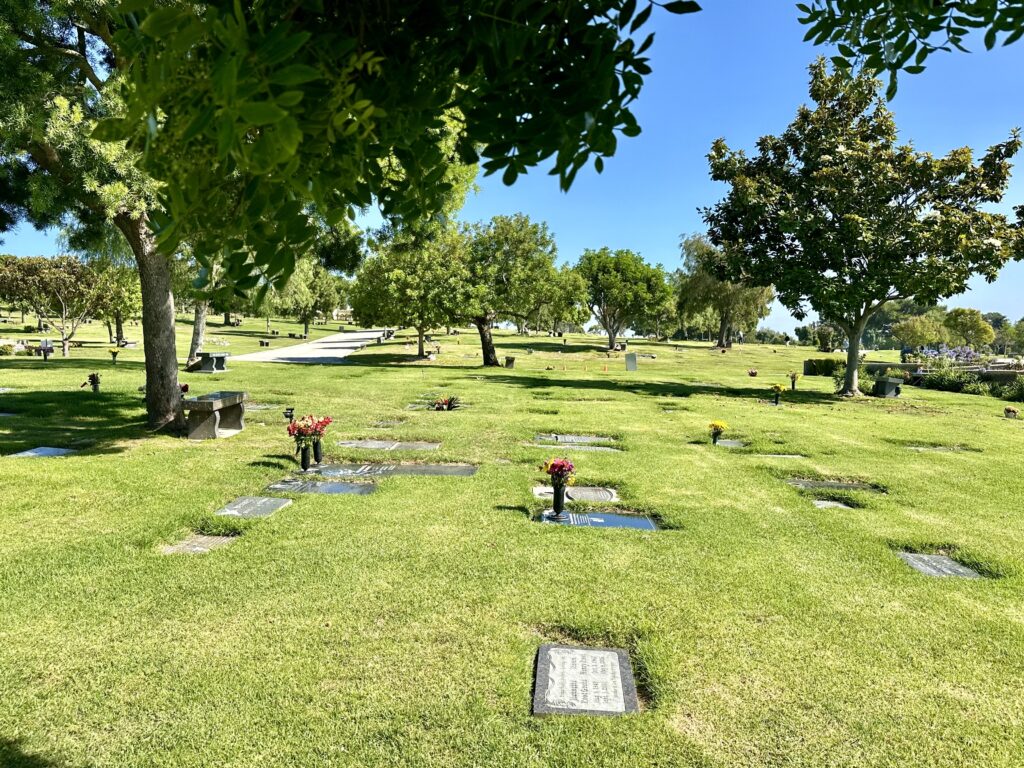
[(738, 70)]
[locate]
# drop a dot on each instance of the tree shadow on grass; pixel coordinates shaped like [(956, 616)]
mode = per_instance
[(100, 365), (275, 461), (13, 756), (659, 388), (85, 421), (374, 359)]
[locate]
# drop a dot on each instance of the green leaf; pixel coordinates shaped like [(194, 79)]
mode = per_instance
[(261, 112), (682, 6), (111, 129), (199, 122), (161, 22), (296, 74)]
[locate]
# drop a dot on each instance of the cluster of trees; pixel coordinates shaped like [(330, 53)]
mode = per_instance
[(243, 152)]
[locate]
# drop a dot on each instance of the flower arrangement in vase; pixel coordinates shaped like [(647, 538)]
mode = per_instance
[(1010, 412), (93, 380), (717, 428), (794, 377), (777, 390), (752, 372), (113, 354), (307, 433), (563, 474), (449, 403)]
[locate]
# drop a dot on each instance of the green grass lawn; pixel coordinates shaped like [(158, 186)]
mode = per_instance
[(400, 628)]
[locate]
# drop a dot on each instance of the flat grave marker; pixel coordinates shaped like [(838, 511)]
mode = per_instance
[(575, 448), (938, 565), (197, 544), (602, 520), (329, 487), (781, 456), (583, 681), (731, 444), (830, 504), (248, 507), (389, 445), (573, 439), (395, 470), (7, 415), (43, 452), (831, 485), (579, 493)]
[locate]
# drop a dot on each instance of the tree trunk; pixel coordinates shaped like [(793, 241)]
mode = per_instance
[(110, 331), (420, 334), (305, 327), (851, 384), (268, 325), (483, 325), (163, 397), (65, 346), (612, 334), (723, 332), (227, 319), (119, 327), (198, 330)]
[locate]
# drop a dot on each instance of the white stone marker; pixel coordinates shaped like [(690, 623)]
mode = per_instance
[(583, 681)]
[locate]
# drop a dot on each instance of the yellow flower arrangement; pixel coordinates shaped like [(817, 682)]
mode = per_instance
[(778, 389), (717, 427)]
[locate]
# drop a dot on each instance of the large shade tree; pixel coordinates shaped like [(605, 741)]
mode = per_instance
[(252, 114), (622, 289), (737, 307), (838, 216)]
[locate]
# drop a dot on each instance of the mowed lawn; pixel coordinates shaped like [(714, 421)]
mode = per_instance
[(400, 628)]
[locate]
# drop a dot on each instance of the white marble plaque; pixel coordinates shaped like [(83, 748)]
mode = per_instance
[(573, 680)]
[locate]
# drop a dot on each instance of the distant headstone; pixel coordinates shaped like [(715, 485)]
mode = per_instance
[(43, 452), (603, 520), (579, 493), (292, 485), (938, 565), (253, 506), (583, 681), (197, 544), (631, 361)]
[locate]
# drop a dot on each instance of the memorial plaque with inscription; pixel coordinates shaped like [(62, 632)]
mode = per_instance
[(831, 485), (389, 445), (731, 444), (602, 520), (197, 544), (583, 681), (290, 485), (830, 504), (938, 565), (393, 470), (573, 439), (253, 506), (579, 493)]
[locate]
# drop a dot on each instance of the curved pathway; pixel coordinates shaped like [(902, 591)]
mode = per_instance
[(330, 350)]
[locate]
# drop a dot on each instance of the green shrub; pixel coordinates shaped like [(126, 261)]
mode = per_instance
[(23, 353), (6, 350), (30, 328), (822, 366), (1014, 390), (949, 380), (976, 388), (866, 379)]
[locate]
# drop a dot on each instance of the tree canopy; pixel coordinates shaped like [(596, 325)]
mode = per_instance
[(883, 35), (309, 103), (835, 214)]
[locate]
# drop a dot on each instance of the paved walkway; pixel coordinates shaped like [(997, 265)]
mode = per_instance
[(330, 350)]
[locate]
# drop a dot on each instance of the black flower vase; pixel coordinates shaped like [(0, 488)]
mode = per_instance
[(792, 386), (318, 451), (714, 438), (558, 513), (96, 387), (304, 457), (776, 398)]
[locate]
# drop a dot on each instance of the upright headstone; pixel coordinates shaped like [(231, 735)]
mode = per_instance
[(583, 681), (631, 361)]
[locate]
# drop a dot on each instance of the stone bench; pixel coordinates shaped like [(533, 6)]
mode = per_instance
[(217, 414), (264, 342), (213, 362)]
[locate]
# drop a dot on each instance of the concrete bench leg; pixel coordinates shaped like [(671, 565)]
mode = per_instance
[(232, 417), (220, 364), (209, 365), (202, 425)]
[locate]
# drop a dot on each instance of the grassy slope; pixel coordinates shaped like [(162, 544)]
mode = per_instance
[(400, 628)]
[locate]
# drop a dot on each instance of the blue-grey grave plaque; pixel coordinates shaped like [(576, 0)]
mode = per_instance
[(43, 452), (602, 520), (331, 487), (253, 506)]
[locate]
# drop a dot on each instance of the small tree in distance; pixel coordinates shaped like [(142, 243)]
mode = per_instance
[(834, 214), (970, 327), (621, 288)]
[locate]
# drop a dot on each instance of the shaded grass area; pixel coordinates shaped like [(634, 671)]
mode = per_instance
[(399, 629)]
